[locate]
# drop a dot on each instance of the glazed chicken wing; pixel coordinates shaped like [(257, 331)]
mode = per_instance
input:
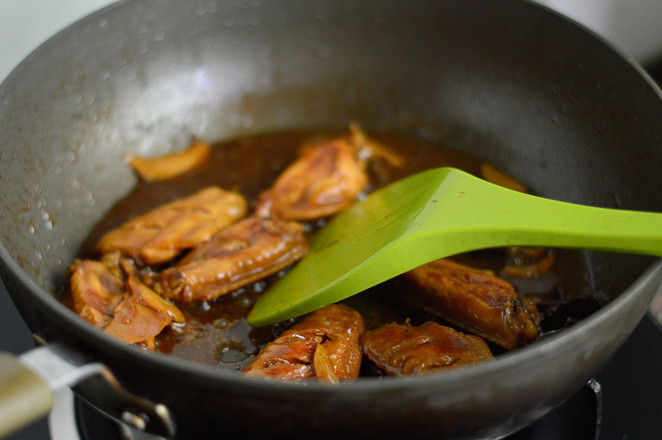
[(96, 290), (325, 345), (163, 233), (401, 350), (236, 256), (475, 301), (142, 315), (326, 179), (128, 310)]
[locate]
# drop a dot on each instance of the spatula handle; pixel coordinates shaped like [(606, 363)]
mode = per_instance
[(585, 227), (493, 216)]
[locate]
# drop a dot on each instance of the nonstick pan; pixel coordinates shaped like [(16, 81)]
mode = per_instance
[(507, 81)]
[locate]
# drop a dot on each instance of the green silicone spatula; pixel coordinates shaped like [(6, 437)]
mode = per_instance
[(436, 214)]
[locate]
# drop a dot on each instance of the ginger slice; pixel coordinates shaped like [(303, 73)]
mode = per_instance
[(170, 165), (498, 177)]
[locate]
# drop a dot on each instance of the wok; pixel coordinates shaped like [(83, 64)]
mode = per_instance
[(507, 81)]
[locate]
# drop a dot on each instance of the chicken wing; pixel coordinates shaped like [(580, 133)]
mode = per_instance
[(127, 310), (327, 178), (236, 256), (325, 345), (96, 290), (142, 315), (163, 233), (401, 350), (475, 301)]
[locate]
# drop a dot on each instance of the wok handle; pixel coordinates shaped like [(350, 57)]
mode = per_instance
[(24, 395), (28, 383)]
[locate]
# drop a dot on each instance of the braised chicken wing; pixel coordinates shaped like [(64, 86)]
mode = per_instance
[(474, 300), (401, 350), (236, 256), (96, 291), (325, 345), (108, 294), (142, 315), (163, 233), (327, 178)]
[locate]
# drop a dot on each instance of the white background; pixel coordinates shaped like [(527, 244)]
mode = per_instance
[(25, 24)]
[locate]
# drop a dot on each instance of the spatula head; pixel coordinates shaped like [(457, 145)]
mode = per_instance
[(359, 248)]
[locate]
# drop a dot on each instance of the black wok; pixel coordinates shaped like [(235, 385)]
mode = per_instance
[(507, 81)]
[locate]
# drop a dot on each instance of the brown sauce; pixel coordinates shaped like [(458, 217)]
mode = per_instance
[(216, 332)]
